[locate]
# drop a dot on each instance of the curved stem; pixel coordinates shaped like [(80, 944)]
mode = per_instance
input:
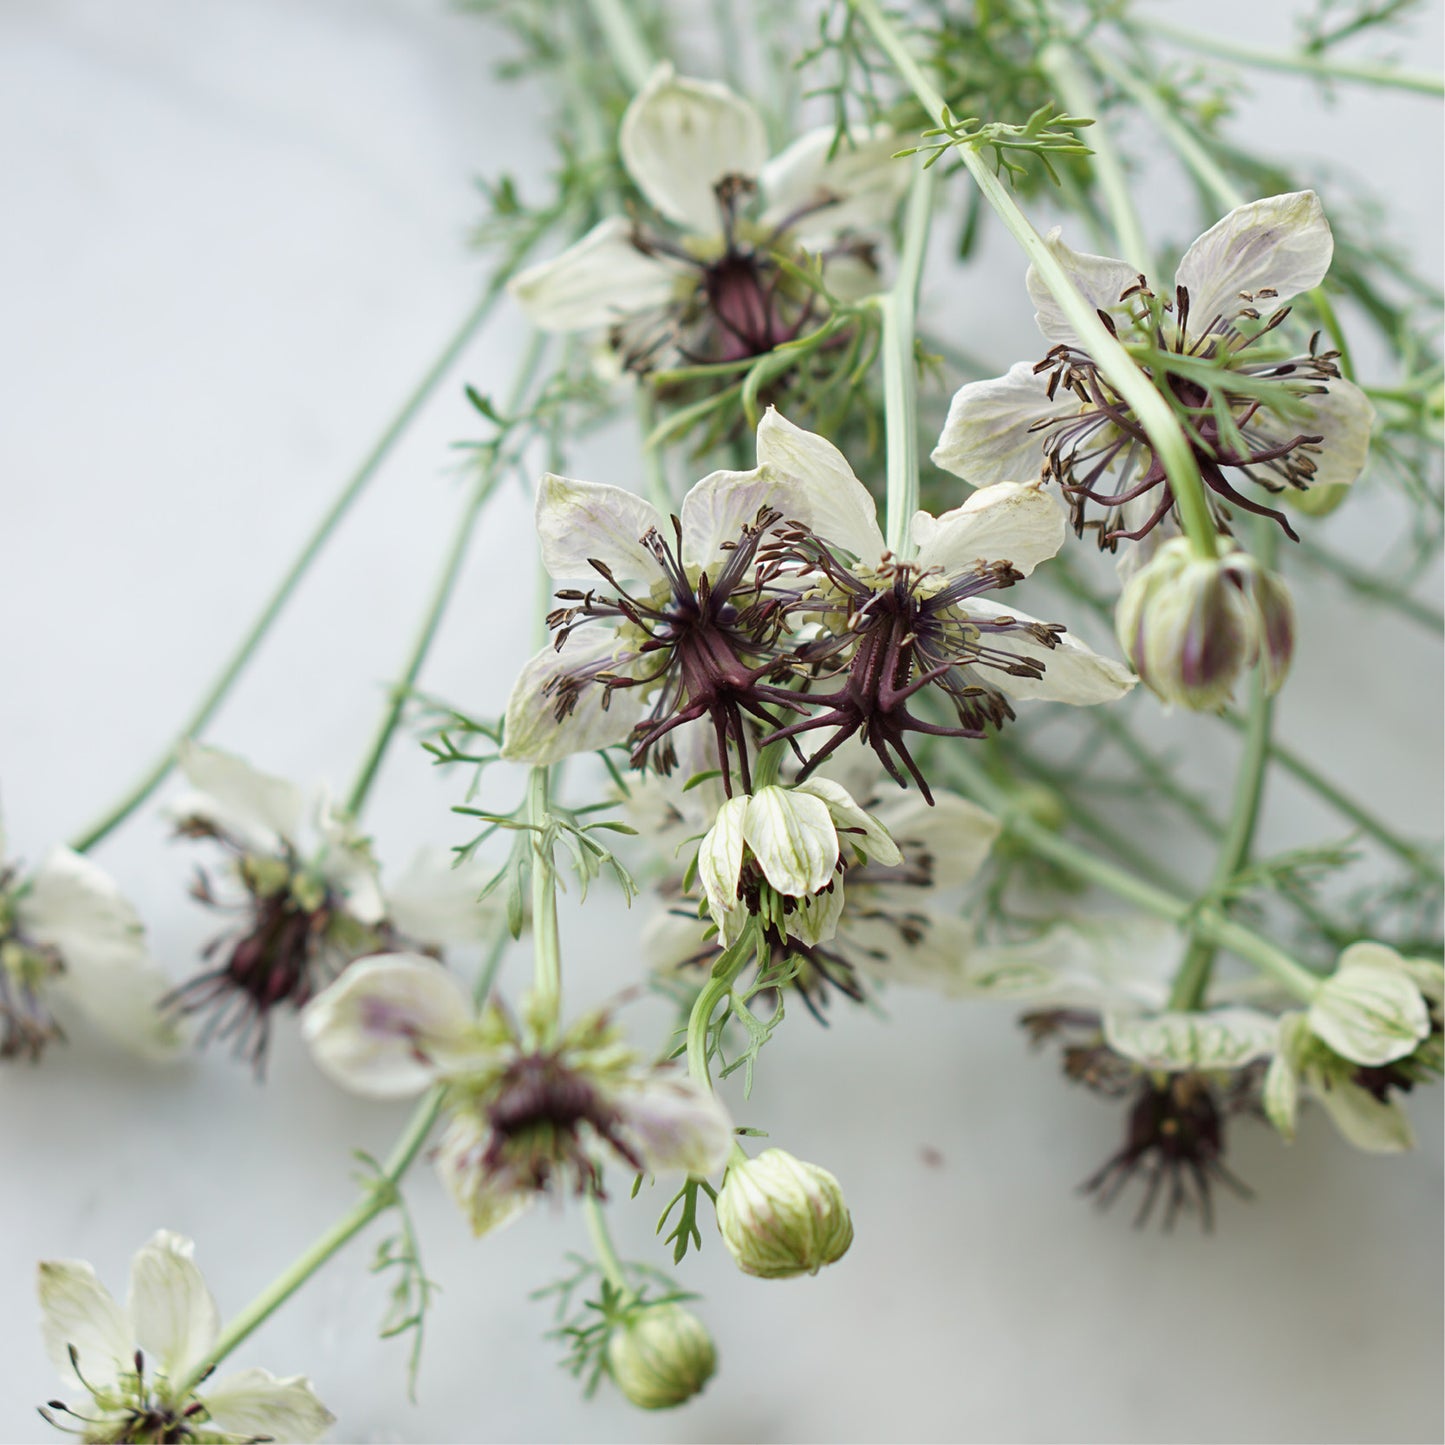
[(602, 1246), (719, 985), (216, 694), (1154, 414), (900, 367), (546, 940)]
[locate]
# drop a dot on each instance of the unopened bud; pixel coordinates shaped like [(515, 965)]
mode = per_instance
[(661, 1356), (779, 1216), (1193, 625)]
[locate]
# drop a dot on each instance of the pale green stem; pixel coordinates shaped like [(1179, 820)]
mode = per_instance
[(602, 1247), (156, 774), (653, 461), (1361, 71), (1153, 413), (1080, 99), (629, 49), (900, 367), (719, 985), (1368, 585), (546, 942)]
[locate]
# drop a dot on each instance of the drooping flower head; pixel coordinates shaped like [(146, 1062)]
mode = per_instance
[(68, 937), (526, 1112), (700, 281), (1283, 422), (133, 1361)]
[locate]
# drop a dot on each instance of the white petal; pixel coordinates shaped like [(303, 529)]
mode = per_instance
[(1009, 522), (680, 137), (676, 1124), (865, 834), (822, 491), (815, 919), (673, 937), (77, 1310), (581, 521), (1369, 1013), (1101, 279), (861, 182), (597, 281), (720, 858), (175, 1318), (1281, 1095), (346, 863), (254, 1403), (954, 834), (1344, 419), (533, 734), (793, 838), (935, 953), (1220, 1039), (1282, 243), (990, 435), (1365, 1122), (487, 1201), (1073, 673), (389, 1025), (261, 810), (716, 510), (436, 899)]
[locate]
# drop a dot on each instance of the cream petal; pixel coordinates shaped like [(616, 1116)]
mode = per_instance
[(389, 1025), (1010, 522), (1282, 243), (821, 490), (672, 938), (680, 137), (346, 863), (1226, 1038), (676, 1124), (1280, 1095), (175, 1318), (866, 835), (1073, 673), (955, 834), (1102, 280), (815, 919), (489, 1200), (254, 1404), (533, 733), (78, 1312), (934, 952), (436, 900), (1343, 418), (715, 511), (720, 858), (792, 836), (601, 279), (860, 183), (578, 522), (1362, 1119), (990, 435), (261, 810), (1369, 1013)]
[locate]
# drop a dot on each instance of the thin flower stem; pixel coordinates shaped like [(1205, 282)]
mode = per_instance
[(1362, 71), (1154, 413), (1079, 98), (714, 991), (355, 485), (546, 942), (900, 367), (603, 1249), (629, 49), (401, 690)]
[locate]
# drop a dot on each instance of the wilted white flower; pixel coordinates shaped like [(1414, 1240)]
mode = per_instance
[(1371, 1009), (310, 896), (706, 286), (525, 1110), (134, 1361), (781, 1217), (67, 936), (1305, 426)]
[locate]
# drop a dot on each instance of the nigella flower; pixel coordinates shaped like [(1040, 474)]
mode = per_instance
[(1283, 422), (68, 936), (683, 629), (132, 1361), (702, 282), (310, 899), (893, 626), (526, 1111)]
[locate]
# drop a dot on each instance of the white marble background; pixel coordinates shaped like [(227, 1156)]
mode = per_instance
[(233, 235)]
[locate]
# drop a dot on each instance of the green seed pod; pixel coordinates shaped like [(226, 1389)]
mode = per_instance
[(779, 1216), (661, 1357)]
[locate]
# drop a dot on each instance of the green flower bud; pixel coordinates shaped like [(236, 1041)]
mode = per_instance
[(1193, 625), (661, 1356), (779, 1216)]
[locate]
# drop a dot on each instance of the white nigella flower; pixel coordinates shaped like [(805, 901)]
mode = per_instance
[(1289, 423), (133, 1360), (67, 936), (311, 898), (525, 1110), (906, 623), (703, 284)]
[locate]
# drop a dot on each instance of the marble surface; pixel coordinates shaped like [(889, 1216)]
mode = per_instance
[(235, 235)]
